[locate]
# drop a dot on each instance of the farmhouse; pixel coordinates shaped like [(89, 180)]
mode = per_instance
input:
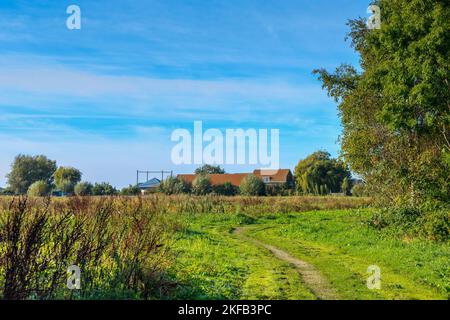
[(149, 185), (269, 177)]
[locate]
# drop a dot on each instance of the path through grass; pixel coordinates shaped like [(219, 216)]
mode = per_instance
[(214, 263)]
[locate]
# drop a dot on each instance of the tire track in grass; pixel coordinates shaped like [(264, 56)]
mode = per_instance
[(311, 277)]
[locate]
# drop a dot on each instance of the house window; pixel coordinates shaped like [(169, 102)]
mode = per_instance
[(266, 179)]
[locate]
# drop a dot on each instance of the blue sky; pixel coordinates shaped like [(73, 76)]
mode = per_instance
[(106, 98)]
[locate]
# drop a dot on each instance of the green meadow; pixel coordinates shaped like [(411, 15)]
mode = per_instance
[(215, 263)]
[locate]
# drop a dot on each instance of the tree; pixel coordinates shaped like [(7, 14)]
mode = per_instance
[(26, 170), (130, 191), (201, 185), (174, 185), (38, 189), (396, 112), (103, 189), (251, 185), (83, 189), (66, 178), (209, 169), (226, 189), (320, 174)]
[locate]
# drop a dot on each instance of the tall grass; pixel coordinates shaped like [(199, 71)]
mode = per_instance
[(121, 244)]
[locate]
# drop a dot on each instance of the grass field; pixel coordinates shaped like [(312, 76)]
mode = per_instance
[(215, 263), (184, 247)]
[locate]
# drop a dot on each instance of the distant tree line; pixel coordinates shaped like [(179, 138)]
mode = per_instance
[(40, 176), (318, 174)]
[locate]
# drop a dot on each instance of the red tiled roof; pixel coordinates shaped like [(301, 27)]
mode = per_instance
[(280, 175), (218, 179)]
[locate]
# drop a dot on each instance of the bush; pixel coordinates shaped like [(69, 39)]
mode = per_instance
[(174, 186), (83, 189), (252, 186), (201, 185), (38, 189), (432, 223), (226, 189), (103, 189), (436, 225), (130, 191), (279, 190)]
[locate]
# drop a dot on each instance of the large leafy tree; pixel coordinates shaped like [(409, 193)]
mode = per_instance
[(395, 108), (320, 174), (66, 178), (27, 170)]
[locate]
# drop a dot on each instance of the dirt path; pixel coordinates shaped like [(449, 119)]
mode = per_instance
[(311, 277)]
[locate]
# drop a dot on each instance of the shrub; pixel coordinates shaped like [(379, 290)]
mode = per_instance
[(430, 222), (83, 189), (252, 186), (38, 189), (130, 191), (182, 186), (174, 186), (103, 189), (279, 190), (201, 185), (436, 225), (226, 189)]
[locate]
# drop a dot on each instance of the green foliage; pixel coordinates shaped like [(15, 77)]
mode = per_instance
[(226, 189), (209, 169), (38, 189), (130, 191), (174, 185), (26, 170), (436, 225), (251, 185), (430, 221), (103, 189), (395, 113), (359, 190), (279, 190), (6, 192), (201, 185), (319, 174), (66, 178), (83, 189)]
